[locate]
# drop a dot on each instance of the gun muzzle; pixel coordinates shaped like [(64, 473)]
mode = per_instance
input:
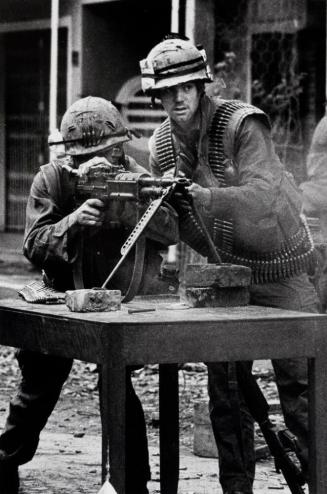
[(150, 192), (164, 181)]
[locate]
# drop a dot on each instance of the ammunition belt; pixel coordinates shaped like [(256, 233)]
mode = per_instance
[(223, 230), (165, 148), (295, 255), (217, 158)]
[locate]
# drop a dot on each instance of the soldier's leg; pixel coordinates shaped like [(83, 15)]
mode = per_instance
[(42, 377), (232, 425), (292, 383), (320, 280), (296, 293), (137, 455)]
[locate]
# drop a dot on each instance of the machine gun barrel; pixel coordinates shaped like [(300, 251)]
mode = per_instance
[(145, 181), (150, 187)]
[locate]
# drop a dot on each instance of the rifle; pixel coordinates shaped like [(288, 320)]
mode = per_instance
[(116, 187), (282, 443)]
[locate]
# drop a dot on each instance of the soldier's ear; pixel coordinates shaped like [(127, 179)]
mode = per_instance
[(200, 87)]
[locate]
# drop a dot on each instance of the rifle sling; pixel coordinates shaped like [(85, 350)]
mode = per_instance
[(78, 266), (138, 268), (139, 258)]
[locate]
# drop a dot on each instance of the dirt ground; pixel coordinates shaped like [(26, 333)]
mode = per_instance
[(69, 454)]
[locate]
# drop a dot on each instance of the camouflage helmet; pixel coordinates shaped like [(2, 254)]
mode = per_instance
[(174, 61), (92, 124)]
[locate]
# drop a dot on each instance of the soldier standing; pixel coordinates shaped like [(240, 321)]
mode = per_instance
[(315, 200), (251, 206)]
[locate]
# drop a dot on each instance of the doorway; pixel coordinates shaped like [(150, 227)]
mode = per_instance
[(26, 86)]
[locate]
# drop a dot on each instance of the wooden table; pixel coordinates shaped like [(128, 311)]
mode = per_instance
[(170, 335)]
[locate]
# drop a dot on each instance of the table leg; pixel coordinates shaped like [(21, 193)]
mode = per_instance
[(113, 401), (169, 428), (318, 417), (103, 392)]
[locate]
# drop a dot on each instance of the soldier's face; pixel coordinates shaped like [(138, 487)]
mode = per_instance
[(181, 102), (113, 154)]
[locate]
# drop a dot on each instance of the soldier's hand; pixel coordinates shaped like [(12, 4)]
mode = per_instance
[(201, 195), (90, 213)]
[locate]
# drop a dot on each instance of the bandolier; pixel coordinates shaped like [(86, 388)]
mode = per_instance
[(294, 256)]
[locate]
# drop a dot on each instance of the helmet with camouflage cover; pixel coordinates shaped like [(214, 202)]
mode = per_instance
[(174, 61), (92, 124)]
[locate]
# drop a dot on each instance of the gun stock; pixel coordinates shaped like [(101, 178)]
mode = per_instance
[(259, 410)]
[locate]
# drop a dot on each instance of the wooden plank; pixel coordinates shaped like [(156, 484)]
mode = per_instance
[(167, 310), (55, 335), (148, 112), (142, 100), (144, 125), (220, 341), (162, 336)]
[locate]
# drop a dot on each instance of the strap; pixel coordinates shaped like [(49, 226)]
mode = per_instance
[(138, 269), (137, 275), (78, 265)]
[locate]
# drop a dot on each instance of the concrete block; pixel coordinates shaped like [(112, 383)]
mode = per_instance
[(204, 444), (214, 297), (93, 300), (218, 275), (203, 439)]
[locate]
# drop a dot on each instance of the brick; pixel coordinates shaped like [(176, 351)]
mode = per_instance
[(220, 275), (215, 297), (204, 443), (93, 300)]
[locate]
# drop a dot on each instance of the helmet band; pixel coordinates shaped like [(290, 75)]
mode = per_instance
[(174, 74), (88, 139), (197, 63)]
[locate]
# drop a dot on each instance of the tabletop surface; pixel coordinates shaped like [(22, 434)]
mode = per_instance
[(168, 311)]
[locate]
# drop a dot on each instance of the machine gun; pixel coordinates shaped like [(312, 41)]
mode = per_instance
[(118, 188), (281, 444)]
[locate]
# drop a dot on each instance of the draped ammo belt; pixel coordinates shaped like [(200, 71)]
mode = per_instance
[(296, 254)]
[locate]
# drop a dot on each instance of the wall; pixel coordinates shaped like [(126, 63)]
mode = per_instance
[(115, 37)]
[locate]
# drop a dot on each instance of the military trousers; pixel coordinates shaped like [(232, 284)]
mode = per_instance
[(233, 428), (42, 378)]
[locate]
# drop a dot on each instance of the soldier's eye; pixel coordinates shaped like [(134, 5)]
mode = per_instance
[(187, 87)]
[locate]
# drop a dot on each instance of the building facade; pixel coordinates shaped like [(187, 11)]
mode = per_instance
[(269, 52)]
